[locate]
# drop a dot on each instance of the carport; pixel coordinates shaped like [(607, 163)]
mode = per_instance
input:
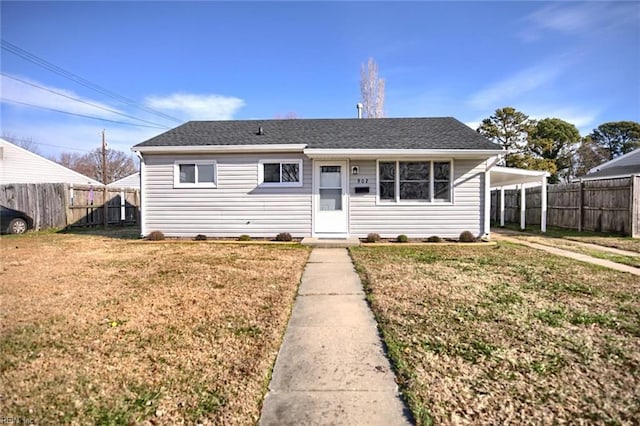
[(509, 177)]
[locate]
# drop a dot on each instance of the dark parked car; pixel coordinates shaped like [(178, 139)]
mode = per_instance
[(14, 221)]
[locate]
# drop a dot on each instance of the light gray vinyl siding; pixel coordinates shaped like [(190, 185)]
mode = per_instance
[(17, 165), (419, 220), (236, 206)]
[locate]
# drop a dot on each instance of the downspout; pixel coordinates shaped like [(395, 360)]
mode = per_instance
[(143, 222)]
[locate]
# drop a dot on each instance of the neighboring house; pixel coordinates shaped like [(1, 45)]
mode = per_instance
[(131, 181), (624, 166), (330, 178), (17, 165)]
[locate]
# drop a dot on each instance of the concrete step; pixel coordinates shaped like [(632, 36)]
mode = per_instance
[(331, 243)]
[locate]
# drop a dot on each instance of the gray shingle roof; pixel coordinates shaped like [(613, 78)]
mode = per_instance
[(632, 169), (378, 133)]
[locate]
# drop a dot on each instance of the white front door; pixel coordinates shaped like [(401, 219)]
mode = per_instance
[(330, 199)]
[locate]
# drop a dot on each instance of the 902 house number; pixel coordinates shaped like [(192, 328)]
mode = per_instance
[(362, 180)]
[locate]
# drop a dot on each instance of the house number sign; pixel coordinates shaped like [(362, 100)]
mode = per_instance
[(362, 180)]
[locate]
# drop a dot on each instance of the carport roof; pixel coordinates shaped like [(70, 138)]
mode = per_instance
[(506, 176)]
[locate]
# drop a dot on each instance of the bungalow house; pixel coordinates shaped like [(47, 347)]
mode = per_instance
[(131, 181), (17, 165), (326, 178), (620, 167)]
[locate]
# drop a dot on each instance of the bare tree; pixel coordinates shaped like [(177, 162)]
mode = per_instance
[(119, 164), (27, 143), (371, 90)]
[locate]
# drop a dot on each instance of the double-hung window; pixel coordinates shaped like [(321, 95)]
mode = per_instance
[(414, 181), (195, 174), (280, 173)]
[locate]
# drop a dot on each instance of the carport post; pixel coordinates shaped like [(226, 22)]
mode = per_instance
[(502, 206), (543, 205), (523, 207)]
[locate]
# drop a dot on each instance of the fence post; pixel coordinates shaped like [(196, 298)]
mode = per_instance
[(543, 205), (502, 206), (523, 207), (137, 199), (581, 206), (634, 207), (68, 202), (123, 213), (105, 207)]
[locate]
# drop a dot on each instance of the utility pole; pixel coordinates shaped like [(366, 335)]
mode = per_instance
[(104, 158)]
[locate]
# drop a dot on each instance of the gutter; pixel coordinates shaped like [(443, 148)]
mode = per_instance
[(204, 149)]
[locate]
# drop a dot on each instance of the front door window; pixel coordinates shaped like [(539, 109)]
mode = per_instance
[(330, 188)]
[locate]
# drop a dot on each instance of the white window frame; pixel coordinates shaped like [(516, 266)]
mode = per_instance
[(398, 200), (262, 183), (176, 174)]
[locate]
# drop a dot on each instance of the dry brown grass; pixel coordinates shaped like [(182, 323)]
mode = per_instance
[(602, 239), (98, 330), (599, 251), (506, 334)]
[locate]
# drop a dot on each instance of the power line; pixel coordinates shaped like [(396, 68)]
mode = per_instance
[(17, 141), (10, 47), (79, 115), (82, 101)]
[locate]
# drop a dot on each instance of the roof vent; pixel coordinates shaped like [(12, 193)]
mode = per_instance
[(359, 107), (260, 131)]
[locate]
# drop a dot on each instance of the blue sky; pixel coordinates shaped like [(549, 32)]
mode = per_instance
[(257, 60)]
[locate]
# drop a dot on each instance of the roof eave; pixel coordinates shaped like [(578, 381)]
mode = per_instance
[(373, 154), (206, 149), (602, 177)]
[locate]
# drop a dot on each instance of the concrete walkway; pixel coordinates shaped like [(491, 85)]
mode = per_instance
[(331, 368), (497, 235)]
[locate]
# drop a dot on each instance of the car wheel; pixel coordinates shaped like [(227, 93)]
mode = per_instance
[(18, 226)]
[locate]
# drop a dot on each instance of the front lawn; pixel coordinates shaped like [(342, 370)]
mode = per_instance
[(602, 239), (506, 334), (577, 247), (97, 330)]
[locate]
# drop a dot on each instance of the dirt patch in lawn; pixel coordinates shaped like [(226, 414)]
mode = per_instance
[(99, 330), (506, 334)]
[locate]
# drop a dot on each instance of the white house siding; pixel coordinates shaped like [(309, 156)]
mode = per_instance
[(17, 165), (444, 220), (237, 206), (131, 181)]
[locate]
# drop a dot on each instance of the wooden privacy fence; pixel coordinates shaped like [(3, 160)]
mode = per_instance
[(607, 205), (56, 205)]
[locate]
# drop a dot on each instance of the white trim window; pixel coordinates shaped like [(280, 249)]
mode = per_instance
[(415, 181), (280, 173), (195, 174)]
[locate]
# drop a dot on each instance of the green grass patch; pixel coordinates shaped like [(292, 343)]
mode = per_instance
[(554, 317), (478, 333)]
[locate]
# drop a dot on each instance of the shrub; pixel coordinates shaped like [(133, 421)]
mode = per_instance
[(434, 239), (467, 237), (244, 237), (373, 238), (201, 237), (284, 236), (155, 236), (402, 238)]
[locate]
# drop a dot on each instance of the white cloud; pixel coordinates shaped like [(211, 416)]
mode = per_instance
[(583, 119), (512, 87), (25, 93), (197, 107), (473, 124), (578, 18)]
